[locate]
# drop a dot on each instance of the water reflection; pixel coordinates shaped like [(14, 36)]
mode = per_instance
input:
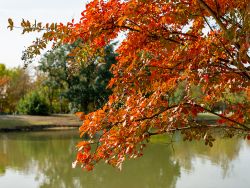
[(223, 152), (44, 160)]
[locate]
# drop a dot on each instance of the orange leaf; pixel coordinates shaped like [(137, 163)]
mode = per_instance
[(80, 115)]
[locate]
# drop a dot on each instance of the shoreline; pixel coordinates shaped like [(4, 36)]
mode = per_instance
[(34, 128), (28, 123)]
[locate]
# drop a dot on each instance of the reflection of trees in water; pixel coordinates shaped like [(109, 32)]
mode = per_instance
[(248, 143), (27, 152), (51, 155), (13, 155), (223, 152)]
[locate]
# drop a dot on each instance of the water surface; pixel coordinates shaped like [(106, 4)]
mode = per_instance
[(43, 159)]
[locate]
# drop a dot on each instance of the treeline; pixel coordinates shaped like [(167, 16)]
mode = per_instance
[(61, 84), (14, 85)]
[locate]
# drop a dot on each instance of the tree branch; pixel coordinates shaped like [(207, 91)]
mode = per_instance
[(196, 127), (213, 14), (221, 116)]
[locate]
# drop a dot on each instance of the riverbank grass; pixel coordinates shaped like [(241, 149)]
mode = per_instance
[(19, 121)]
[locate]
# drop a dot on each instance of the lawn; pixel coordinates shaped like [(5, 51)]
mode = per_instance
[(8, 122)]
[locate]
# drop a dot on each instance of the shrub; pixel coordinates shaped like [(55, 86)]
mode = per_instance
[(33, 104)]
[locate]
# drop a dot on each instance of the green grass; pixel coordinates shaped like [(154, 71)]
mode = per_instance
[(12, 123)]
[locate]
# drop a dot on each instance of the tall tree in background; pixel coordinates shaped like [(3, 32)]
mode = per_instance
[(82, 84), (14, 84), (88, 86), (54, 65), (202, 42), (4, 80), (19, 84)]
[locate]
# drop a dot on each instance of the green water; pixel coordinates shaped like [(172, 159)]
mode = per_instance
[(43, 159)]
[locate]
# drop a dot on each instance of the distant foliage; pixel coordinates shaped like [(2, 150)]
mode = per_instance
[(87, 88), (83, 84), (33, 104), (15, 83)]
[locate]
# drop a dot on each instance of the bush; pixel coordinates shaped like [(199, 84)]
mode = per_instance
[(33, 104)]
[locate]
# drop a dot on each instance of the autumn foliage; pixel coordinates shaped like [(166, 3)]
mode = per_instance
[(3, 81), (201, 43)]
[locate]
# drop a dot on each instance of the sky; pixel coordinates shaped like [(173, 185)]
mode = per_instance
[(12, 43)]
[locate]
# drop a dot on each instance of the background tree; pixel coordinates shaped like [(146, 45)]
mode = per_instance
[(54, 65), (19, 84), (87, 86), (14, 84), (4, 79), (49, 89), (202, 42), (83, 85)]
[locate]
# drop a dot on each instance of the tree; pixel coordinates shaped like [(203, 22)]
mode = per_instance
[(4, 80), (202, 42), (14, 84), (53, 64), (83, 85), (19, 84), (87, 87), (3, 86)]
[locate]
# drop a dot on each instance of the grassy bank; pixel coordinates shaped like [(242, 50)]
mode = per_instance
[(10, 123), (32, 123)]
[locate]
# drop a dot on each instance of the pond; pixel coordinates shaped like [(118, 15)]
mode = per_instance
[(43, 159)]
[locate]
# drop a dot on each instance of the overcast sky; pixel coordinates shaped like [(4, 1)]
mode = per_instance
[(13, 43)]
